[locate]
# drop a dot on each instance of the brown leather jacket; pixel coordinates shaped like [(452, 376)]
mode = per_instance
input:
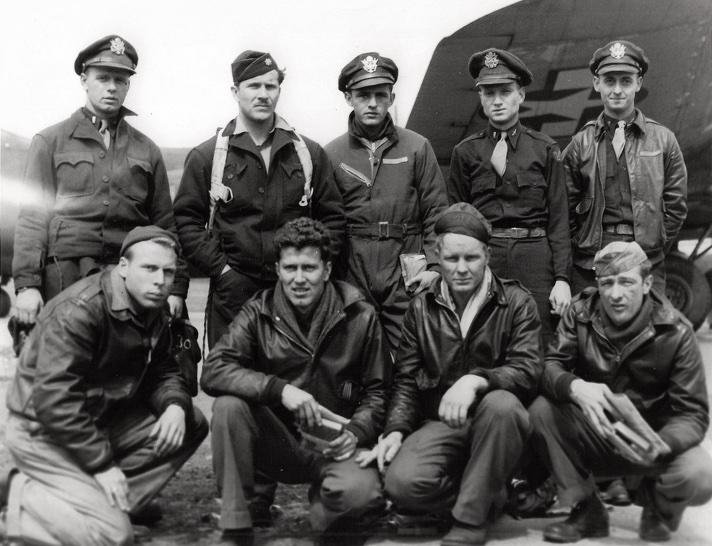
[(661, 370), (658, 186), (502, 345), (88, 357)]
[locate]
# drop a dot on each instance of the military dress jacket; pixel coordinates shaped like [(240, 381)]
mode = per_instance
[(85, 198)]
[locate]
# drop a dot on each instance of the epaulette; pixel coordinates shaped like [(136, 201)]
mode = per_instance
[(473, 136), (539, 136)]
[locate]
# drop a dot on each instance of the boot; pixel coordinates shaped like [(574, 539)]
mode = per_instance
[(588, 519), (652, 527)]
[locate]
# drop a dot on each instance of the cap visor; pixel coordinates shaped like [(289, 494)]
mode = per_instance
[(495, 81), (370, 82), (618, 68), (109, 64)]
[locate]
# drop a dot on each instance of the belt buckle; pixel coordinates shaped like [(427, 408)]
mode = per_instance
[(519, 233), (383, 230)]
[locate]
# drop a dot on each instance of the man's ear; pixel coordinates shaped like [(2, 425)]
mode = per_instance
[(83, 80), (327, 270), (647, 284), (123, 266), (596, 82), (348, 97)]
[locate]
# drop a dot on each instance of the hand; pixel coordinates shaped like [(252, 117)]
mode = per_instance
[(457, 400), (343, 447), (302, 405), (591, 398), (422, 281), (175, 304), (115, 487), (28, 303), (560, 297), (169, 430), (383, 452)]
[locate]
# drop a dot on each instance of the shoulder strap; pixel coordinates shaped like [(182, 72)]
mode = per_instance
[(218, 191), (308, 168)]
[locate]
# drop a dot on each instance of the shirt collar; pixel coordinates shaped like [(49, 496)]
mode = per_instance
[(279, 123), (637, 121), (474, 304), (512, 134), (123, 305)]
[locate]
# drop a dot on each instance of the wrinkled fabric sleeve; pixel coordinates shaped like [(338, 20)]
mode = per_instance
[(575, 188), (557, 203), (229, 366), (521, 371), (368, 420), (192, 210), (561, 359), (458, 183), (165, 382), (674, 191), (432, 195), (31, 231)]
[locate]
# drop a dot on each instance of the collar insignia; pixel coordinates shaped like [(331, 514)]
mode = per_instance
[(117, 46), (617, 50), (491, 60), (370, 64)]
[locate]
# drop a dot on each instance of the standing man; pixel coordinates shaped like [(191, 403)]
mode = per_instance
[(468, 364), (266, 179), (625, 174), (514, 176), (293, 350), (95, 178), (100, 418), (623, 338), (393, 192)]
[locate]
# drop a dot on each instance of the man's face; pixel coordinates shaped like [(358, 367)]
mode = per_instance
[(257, 97), (303, 275), (148, 269), (622, 294), (463, 260), (501, 102), (106, 89), (371, 104), (618, 91)]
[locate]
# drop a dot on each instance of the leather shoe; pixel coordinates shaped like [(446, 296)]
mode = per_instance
[(652, 527), (237, 537), (261, 514), (149, 515), (616, 494), (463, 534), (589, 518)]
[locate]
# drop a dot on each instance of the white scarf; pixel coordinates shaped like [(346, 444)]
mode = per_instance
[(473, 305)]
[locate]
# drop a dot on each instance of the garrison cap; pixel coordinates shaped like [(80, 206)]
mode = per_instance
[(618, 257), (366, 70), (619, 56), (464, 219), (250, 64), (111, 51), (493, 66), (146, 233)]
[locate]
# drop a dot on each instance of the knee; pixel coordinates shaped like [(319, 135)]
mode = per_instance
[(541, 413), (406, 486), (229, 411), (353, 492), (199, 428), (504, 410), (113, 530), (691, 477)]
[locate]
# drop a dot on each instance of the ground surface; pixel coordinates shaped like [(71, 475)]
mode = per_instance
[(190, 508)]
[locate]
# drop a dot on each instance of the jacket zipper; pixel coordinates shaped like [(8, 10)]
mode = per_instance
[(359, 176)]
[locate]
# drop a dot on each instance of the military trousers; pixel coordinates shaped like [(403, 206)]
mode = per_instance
[(465, 470), (248, 437), (53, 501), (576, 454)]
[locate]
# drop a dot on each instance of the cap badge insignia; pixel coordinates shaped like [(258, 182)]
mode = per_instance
[(370, 64), (117, 46), (617, 50), (491, 60), (268, 61)]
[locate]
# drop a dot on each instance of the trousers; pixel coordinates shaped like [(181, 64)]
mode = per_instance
[(466, 470), (575, 454), (248, 437), (53, 501)]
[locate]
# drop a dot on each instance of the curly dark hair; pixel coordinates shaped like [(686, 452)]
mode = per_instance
[(304, 232)]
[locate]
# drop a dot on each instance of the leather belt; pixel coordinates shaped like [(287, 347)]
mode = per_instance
[(619, 229), (384, 230), (518, 233)]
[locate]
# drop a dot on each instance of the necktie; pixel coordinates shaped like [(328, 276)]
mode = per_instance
[(104, 131), (619, 138), (499, 155)]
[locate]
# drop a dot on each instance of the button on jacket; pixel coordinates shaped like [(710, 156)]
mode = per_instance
[(262, 202), (502, 345), (531, 194), (347, 372), (658, 185), (90, 357), (85, 198), (661, 370)]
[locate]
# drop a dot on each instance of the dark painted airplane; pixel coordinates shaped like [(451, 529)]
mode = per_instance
[(555, 39)]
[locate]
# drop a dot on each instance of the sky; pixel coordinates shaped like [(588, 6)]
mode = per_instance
[(181, 91)]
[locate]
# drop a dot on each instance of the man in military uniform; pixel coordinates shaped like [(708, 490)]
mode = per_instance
[(265, 180), (468, 364), (625, 173), (94, 178), (393, 192), (623, 338), (514, 176), (100, 418)]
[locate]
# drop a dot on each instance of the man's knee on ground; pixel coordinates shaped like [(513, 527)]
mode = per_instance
[(691, 479), (411, 486), (352, 492), (112, 529)]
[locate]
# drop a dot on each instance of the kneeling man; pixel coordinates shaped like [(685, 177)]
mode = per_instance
[(623, 338), (100, 418), (292, 352), (468, 363)]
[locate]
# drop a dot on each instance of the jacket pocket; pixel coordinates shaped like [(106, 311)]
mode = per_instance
[(234, 178), (483, 184), (141, 175), (293, 185), (532, 189), (75, 174)]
